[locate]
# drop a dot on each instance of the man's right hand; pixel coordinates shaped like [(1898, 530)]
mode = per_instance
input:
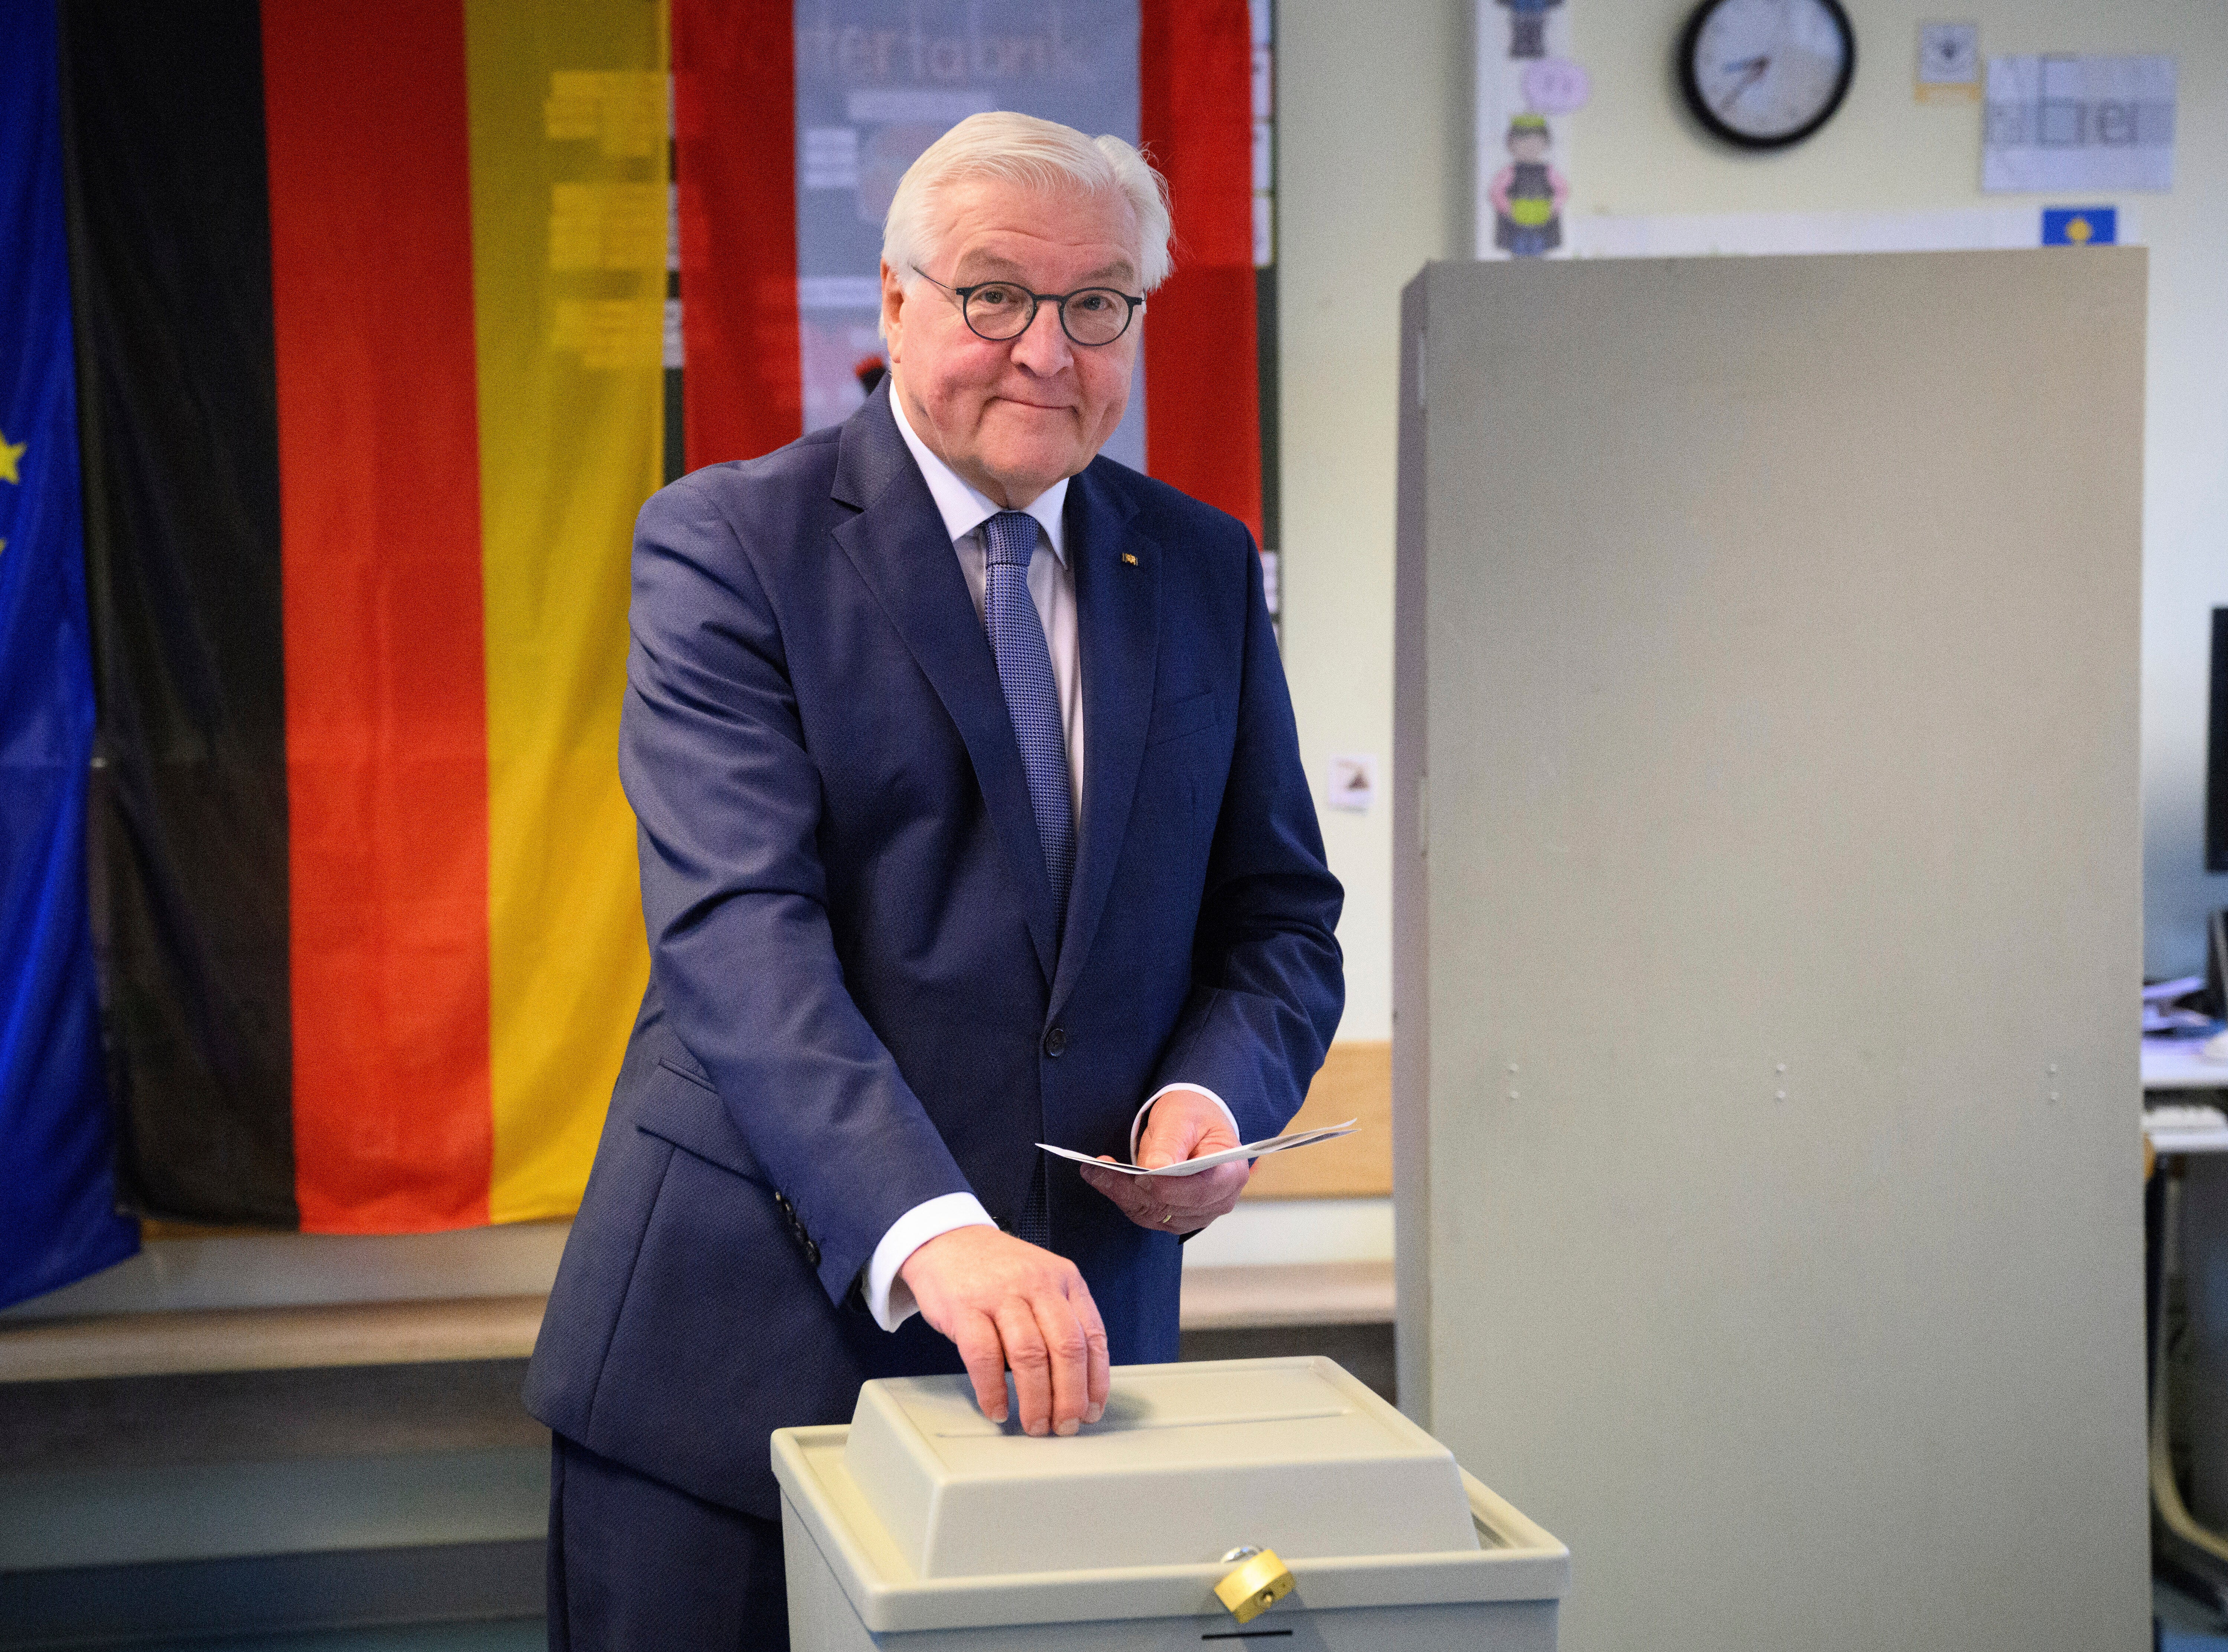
[(1007, 1304)]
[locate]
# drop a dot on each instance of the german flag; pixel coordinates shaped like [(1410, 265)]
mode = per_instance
[(375, 351), (372, 299)]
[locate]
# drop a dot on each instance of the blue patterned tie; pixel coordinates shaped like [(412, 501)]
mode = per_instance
[(1017, 639)]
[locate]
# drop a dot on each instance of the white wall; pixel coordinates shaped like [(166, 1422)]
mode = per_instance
[(1372, 181), (1373, 178)]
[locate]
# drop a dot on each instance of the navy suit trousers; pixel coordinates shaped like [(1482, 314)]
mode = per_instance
[(637, 1566)]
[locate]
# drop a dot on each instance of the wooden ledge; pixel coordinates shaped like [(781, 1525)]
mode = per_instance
[(1292, 1294), (270, 1339), (503, 1328)]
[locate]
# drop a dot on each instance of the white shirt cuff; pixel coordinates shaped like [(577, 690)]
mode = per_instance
[(889, 1298), (1137, 1124)]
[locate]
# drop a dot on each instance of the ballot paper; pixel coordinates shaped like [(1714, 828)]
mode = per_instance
[(1209, 1161)]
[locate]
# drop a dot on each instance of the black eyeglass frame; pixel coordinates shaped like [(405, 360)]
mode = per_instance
[(1137, 302)]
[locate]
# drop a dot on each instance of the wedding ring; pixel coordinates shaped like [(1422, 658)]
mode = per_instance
[(1168, 1218)]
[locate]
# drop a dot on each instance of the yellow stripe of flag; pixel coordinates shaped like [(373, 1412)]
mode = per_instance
[(568, 120)]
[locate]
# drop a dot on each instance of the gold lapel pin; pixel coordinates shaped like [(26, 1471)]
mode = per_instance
[(1130, 557)]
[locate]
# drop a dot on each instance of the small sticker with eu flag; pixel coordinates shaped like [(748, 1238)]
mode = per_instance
[(2080, 226)]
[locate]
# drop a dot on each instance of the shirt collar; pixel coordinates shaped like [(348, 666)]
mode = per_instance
[(963, 507)]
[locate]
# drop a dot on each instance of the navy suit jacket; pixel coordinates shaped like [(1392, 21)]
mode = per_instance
[(857, 999)]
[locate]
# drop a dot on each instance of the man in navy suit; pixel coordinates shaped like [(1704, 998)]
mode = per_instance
[(971, 816)]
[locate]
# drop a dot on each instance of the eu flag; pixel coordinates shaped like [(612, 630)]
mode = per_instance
[(58, 1220), (2080, 226)]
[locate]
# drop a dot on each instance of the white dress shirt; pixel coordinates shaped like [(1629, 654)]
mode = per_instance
[(1052, 588)]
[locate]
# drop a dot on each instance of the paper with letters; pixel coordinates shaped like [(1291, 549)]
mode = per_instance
[(2092, 124), (1209, 1161)]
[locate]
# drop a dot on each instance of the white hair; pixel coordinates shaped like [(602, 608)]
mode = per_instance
[(1038, 155)]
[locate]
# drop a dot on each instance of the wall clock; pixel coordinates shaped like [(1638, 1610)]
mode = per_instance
[(1766, 73)]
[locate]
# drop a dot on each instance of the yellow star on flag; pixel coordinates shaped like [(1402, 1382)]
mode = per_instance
[(10, 453)]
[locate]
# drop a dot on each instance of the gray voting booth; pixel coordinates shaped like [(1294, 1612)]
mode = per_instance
[(1766, 880), (1226, 1502)]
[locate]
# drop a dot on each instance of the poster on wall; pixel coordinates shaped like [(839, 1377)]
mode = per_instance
[(2091, 124), (874, 87), (793, 120), (1527, 86)]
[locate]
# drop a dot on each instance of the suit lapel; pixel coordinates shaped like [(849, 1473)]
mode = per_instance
[(898, 544), (1117, 623)]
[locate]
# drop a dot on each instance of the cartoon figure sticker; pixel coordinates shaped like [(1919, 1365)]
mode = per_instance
[(1527, 194), (1527, 87), (1528, 27)]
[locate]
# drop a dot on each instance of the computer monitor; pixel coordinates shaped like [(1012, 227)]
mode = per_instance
[(2216, 965), (2216, 783)]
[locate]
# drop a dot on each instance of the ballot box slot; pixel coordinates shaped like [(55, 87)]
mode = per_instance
[(1111, 1423)]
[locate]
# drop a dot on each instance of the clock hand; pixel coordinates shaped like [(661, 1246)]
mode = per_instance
[(1756, 67)]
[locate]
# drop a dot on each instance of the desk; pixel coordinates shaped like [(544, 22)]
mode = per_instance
[(2172, 1065), (2176, 1064)]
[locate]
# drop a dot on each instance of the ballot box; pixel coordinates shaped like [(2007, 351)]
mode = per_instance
[(1224, 1502)]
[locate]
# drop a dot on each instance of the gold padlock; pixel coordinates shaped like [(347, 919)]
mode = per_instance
[(1257, 1584)]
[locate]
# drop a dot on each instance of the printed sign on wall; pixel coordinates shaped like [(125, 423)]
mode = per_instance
[(2079, 123)]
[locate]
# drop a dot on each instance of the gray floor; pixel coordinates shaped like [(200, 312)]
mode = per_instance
[(525, 1636), (2183, 1627)]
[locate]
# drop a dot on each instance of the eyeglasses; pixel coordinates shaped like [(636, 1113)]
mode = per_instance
[(999, 311)]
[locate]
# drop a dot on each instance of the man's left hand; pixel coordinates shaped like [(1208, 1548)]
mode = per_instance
[(1184, 1124)]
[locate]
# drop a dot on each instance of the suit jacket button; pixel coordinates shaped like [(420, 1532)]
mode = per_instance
[(1056, 1042)]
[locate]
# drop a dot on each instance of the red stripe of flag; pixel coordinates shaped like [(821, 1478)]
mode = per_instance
[(1202, 388), (386, 704), (734, 92)]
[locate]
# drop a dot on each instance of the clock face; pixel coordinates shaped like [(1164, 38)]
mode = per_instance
[(1765, 74)]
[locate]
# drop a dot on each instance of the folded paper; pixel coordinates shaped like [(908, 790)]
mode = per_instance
[(1209, 1161)]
